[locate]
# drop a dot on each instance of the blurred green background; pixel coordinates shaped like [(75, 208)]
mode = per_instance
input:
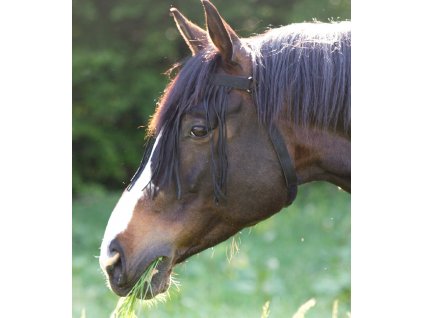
[(121, 50)]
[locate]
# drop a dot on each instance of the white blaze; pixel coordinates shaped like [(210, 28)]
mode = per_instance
[(122, 213)]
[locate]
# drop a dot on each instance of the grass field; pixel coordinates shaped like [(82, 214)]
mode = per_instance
[(298, 254)]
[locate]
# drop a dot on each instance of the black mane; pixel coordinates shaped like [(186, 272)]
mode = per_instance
[(303, 72)]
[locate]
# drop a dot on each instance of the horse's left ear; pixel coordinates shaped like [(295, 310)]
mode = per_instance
[(221, 34)]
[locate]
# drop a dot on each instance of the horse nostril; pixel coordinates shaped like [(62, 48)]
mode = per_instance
[(115, 264), (110, 262)]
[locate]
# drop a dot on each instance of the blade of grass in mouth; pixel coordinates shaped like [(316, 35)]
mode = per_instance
[(127, 306)]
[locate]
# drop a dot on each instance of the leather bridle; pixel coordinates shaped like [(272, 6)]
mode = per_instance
[(288, 171)]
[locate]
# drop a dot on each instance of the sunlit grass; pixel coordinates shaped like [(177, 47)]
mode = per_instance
[(335, 309), (233, 248), (304, 308), (265, 311)]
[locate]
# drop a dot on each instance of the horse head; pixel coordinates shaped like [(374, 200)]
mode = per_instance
[(215, 164)]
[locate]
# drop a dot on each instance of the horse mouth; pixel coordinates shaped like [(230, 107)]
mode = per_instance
[(160, 277), (157, 283)]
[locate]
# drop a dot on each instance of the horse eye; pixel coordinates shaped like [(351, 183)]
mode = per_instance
[(198, 131)]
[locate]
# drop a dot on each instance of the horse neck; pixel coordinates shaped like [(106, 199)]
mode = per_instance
[(319, 154)]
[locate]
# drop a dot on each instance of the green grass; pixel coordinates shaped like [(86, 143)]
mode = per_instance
[(128, 306), (298, 254)]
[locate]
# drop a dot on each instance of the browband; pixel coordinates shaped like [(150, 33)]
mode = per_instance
[(246, 84), (232, 81)]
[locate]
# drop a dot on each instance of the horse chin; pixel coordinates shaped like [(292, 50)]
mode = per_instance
[(160, 281)]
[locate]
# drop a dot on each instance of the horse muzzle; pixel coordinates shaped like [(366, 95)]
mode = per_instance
[(122, 278)]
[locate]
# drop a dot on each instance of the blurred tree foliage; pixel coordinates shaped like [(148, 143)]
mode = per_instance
[(121, 50)]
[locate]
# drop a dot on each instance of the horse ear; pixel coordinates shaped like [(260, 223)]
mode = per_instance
[(194, 36), (221, 34)]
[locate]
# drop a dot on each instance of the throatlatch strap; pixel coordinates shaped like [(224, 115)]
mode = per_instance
[(285, 162), (237, 82)]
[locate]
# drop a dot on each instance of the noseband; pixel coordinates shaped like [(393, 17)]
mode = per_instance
[(288, 171)]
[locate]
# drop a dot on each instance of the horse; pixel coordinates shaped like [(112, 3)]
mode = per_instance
[(241, 125)]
